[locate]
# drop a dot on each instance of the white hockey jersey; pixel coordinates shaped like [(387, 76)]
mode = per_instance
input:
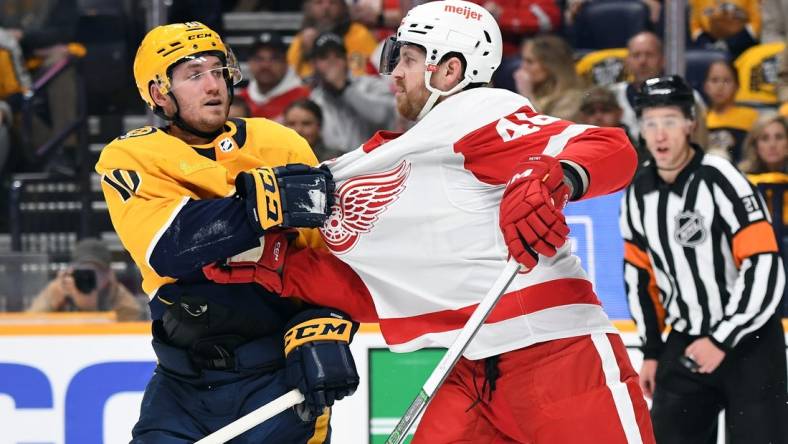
[(416, 220)]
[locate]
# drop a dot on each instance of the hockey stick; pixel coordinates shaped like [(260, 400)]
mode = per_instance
[(258, 416), (454, 352)]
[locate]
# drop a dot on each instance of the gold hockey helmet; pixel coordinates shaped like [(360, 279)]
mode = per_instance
[(167, 45)]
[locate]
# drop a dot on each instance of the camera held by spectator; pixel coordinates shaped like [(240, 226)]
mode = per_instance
[(88, 284)]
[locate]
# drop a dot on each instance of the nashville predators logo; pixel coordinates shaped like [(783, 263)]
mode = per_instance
[(608, 71), (126, 183), (359, 203), (144, 131), (690, 231)]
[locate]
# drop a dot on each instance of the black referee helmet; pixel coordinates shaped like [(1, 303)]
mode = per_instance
[(666, 91)]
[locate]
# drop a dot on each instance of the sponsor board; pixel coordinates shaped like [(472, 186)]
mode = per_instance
[(595, 239), (87, 388)]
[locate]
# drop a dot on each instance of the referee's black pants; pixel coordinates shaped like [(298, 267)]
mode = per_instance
[(750, 384)]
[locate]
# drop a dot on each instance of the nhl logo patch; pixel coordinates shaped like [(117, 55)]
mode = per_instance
[(226, 145), (689, 229)]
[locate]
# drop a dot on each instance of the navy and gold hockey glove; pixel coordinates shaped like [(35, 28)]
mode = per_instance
[(319, 363), (294, 195)]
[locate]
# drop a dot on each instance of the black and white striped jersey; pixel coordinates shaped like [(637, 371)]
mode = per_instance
[(700, 254)]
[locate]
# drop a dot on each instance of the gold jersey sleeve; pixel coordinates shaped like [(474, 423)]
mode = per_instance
[(147, 176)]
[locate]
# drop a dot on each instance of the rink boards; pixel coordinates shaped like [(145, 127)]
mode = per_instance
[(83, 383)]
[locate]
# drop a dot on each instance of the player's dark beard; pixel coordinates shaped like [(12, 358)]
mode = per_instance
[(409, 106), (201, 133)]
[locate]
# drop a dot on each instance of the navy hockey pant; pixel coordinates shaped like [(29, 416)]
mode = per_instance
[(182, 405)]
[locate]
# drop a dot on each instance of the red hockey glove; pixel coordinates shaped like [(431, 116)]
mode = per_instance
[(531, 218), (262, 265)]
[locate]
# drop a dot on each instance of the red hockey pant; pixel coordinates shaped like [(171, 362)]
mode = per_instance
[(574, 390)]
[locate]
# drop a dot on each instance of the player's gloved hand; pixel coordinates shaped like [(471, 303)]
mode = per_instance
[(531, 216), (262, 265), (294, 195), (319, 363)]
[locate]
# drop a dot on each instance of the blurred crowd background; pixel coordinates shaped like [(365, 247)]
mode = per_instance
[(66, 89)]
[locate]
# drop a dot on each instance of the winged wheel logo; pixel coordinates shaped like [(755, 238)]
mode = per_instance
[(359, 203)]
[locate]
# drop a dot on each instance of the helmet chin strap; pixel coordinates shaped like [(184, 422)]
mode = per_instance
[(436, 93), (180, 123)]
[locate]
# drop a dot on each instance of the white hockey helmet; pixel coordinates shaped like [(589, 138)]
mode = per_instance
[(441, 27)]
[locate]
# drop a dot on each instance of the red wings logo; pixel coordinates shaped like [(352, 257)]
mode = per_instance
[(359, 203)]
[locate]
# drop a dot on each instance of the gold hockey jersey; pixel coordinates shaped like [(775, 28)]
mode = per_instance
[(148, 176)]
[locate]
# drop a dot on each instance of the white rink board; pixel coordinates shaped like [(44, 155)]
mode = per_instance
[(65, 366)]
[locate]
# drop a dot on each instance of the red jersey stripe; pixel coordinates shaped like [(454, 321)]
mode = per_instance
[(518, 303)]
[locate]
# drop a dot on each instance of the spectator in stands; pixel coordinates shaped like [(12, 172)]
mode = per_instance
[(600, 108), (88, 284), (521, 19), (547, 77), (766, 147), (774, 14), (14, 78), (331, 15), (273, 84), (766, 155), (14, 83), (644, 61), (727, 123), (42, 25), (645, 56), (44, 30), (306, 118), (573, 7), (731, 25), (239, 108), (380, 16), (354, 108)]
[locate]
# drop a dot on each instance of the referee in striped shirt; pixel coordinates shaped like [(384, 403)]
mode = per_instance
[(700, 256)]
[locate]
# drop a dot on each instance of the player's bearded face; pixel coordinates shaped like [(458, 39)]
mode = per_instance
[(411, 94), (200, 88)]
